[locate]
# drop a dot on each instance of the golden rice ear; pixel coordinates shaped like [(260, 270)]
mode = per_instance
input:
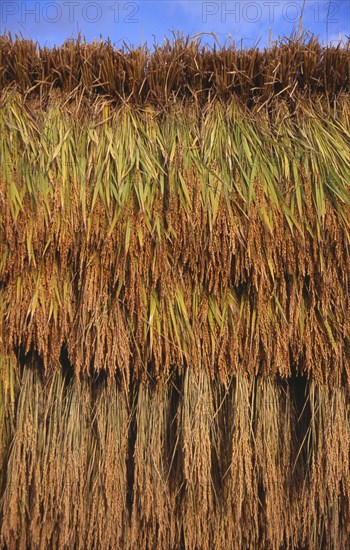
[(9, 380)]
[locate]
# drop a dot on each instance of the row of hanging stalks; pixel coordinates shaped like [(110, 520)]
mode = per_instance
[(185, 463)]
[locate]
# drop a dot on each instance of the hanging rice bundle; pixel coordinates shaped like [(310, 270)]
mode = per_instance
[(174, 296)]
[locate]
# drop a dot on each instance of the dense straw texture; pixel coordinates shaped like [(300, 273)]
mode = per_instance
[(176, 71), (174, 297)]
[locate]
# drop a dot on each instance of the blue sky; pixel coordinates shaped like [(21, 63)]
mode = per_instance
[(251, 21)]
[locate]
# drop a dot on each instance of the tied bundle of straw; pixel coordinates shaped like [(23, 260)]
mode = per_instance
[(174, 296)]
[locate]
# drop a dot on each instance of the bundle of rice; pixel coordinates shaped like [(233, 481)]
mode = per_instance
[(174, 296)]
